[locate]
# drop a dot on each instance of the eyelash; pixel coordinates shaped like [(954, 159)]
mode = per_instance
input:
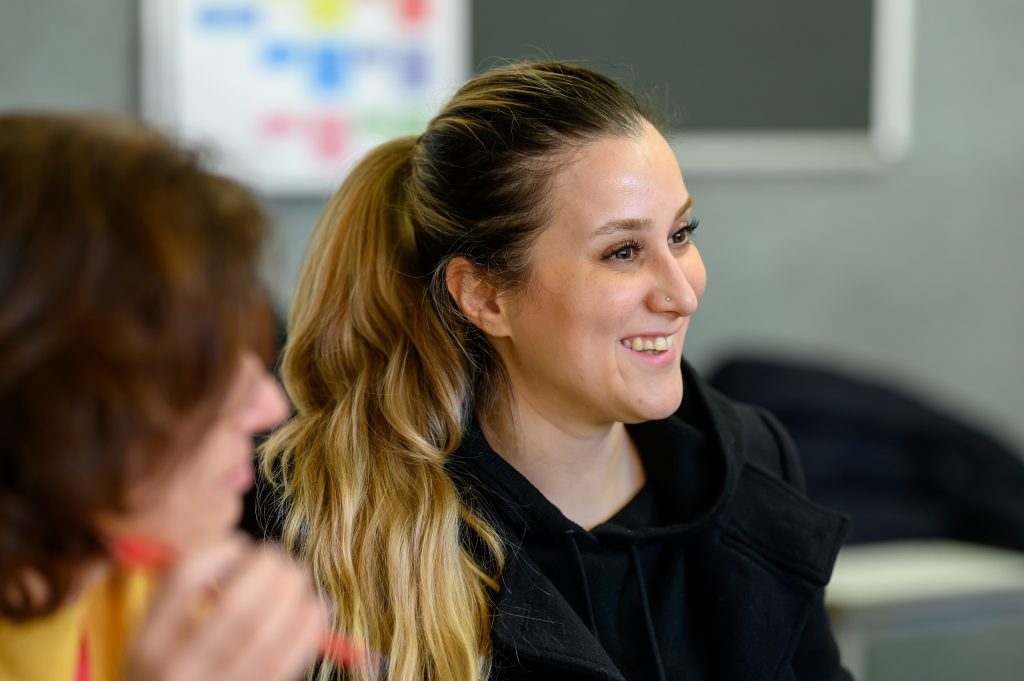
[(637, 247)]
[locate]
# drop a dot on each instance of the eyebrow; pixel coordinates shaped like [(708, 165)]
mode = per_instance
[(636, 224)]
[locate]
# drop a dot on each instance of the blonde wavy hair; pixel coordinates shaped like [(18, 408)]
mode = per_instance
[(385, 373)]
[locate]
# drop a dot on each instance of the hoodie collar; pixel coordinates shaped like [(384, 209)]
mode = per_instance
[(696, 448)]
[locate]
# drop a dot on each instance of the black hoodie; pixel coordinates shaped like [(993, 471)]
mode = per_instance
[(713, 571)]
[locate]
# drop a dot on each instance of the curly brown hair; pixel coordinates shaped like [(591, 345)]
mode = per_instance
[(128, 289)]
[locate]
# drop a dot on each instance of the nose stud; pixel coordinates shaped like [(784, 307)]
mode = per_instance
[(668, 299)]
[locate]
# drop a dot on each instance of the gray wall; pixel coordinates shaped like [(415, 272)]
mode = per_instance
[(913, 272), (910, 273)]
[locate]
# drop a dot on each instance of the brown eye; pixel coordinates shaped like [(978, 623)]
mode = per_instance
[(684, 234), (628, 251), (681, 237)]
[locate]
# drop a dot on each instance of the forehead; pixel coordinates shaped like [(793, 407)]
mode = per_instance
[(618, 178)]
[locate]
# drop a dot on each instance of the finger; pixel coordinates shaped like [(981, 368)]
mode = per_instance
[(309, 633), (293, 640), (259, 648), (171, 614), (255, 598)]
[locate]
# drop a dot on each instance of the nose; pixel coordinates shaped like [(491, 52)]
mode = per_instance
[(267, 405), (677, 285)]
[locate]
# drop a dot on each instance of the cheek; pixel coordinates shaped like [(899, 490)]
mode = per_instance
[(189, 506), (618, 308), (594, 314), (569, 324)]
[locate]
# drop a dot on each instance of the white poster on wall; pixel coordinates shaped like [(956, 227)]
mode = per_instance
[(287, 94)]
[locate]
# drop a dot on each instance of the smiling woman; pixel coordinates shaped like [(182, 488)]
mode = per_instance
[(500, 467)]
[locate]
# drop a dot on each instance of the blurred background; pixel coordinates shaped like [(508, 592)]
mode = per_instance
[(907, 270), (857, 166)]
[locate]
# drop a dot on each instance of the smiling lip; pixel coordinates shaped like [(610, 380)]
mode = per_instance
[(664, 357), (651, 336)]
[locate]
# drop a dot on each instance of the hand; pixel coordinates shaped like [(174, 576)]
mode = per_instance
[(232, 611)]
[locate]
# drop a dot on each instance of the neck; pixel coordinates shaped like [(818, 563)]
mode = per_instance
[(587, 471)]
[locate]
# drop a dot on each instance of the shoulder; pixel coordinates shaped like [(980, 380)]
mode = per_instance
[(749, 435), (768, 510), (768, 445)]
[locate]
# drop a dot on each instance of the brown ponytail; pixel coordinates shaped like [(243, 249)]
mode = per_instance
[(381, 394), (385, 372)]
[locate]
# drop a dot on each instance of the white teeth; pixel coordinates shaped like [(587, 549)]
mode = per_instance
[(651, 345)]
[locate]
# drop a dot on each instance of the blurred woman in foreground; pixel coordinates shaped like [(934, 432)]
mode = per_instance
[(133, 341)]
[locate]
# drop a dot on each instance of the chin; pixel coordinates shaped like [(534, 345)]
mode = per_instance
[(667, 411), (655, 411), (668, 402)]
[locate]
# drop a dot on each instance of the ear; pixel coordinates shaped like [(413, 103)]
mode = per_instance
[(477, 298)]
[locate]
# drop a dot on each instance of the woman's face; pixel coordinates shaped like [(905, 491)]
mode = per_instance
[(614, 272), (199, 499)]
